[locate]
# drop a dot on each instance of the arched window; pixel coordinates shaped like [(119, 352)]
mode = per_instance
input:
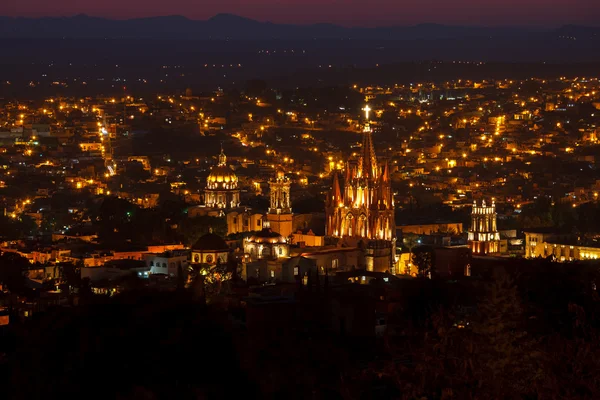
[(164, 265), (151, 263)]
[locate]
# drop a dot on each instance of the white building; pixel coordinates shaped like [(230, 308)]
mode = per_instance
[(167, 263)]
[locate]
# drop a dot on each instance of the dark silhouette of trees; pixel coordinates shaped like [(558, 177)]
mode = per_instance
[(191, 229), (525, 329), (156, 345), (507, 363), (423, 257), (70, 274), (13, 271), (17, 228)]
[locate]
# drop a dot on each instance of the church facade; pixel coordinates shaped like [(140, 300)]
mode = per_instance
[(360, 213)]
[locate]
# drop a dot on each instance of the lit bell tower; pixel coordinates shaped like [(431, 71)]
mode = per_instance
[(280, 207), (484, 237)]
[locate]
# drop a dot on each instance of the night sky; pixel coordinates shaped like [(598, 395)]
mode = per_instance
[(543, 13)]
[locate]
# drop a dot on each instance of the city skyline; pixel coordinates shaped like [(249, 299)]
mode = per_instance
[(353, 13)]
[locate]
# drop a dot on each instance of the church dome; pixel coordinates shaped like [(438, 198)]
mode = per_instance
[(210, 241), (267, 236), (221, 176)]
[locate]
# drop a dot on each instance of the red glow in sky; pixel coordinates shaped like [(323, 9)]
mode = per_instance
[(346, 12)]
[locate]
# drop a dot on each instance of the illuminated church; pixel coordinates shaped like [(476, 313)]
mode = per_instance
[(222, 186), (362, 214), (483, 236)]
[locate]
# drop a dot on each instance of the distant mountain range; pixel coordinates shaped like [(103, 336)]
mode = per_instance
[(228, 26)]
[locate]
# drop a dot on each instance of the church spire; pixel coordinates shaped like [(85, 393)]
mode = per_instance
[(336, 192), (348, 172), (386, 172), (368, 161)]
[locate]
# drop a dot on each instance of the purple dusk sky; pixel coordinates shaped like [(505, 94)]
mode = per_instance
[(548, 13)]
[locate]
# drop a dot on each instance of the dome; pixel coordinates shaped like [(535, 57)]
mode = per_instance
[(221, 174), (267, 236), (210, 241)]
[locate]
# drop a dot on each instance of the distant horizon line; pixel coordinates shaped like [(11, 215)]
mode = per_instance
[(225, 14)]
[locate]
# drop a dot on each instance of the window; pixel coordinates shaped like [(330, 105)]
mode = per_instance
[(280, 251), (196, 258), (295, 271), (272, 274), (164, 265), (151, 263), (209, 258), (335, 263), (258, 223)]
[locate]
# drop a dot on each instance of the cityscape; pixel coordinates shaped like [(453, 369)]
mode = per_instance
[(354, 233)]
